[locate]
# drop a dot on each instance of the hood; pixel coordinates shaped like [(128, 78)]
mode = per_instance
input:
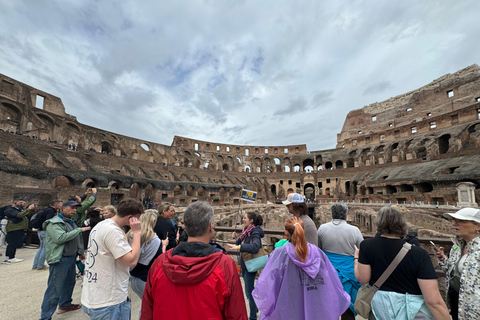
[(191, 263), (259, 230), (314, 259), (55, 219)]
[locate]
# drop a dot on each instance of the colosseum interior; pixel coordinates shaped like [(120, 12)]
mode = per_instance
[(419, 150)]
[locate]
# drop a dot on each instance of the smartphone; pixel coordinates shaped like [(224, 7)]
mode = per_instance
[(433, 244)]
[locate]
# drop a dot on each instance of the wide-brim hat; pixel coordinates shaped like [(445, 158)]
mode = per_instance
[(294, 198), (469, 214)]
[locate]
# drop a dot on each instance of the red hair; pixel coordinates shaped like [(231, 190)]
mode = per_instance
[(294, 226)]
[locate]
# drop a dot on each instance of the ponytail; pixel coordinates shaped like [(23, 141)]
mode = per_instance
[(294, 226), (257, 219)]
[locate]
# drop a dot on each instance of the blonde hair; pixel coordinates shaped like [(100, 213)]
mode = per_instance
[(147, 220), (111, 209)]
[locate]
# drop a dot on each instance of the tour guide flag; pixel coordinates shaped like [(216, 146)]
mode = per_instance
[(249, 195)]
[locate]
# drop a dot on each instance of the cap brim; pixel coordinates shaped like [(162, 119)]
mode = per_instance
[(458, 217), (286, 202)]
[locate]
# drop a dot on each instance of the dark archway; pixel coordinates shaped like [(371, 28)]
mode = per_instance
[(443, 144)]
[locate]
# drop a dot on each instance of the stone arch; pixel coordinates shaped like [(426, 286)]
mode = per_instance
[(115, 185), (232, 192), (190, 191), (443, 144), (286, 168), (405, 188), (308, 163), (309, 191), (273, 189), (107, 147), (63, 182), (225, 167), (424, 187), (135, 191), (296, 168), (201, 192), (178, 190), (73, 127), (149, 191), (89, 183), (328, 165), (247, 168), (389, 189), (350, 163), (339, 164), (222, 192)]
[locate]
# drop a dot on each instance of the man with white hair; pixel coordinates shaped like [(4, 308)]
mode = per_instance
[(338, 240)]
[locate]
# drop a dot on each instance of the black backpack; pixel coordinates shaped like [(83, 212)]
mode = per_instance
[(2, 212), (38, 219)]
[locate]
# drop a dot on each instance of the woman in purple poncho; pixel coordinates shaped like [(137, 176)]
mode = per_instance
[(299, 282)]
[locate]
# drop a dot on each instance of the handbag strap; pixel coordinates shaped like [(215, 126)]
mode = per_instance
[(398, 258)]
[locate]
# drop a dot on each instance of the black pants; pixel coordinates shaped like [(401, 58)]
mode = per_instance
[(14, 240), (453, 298)]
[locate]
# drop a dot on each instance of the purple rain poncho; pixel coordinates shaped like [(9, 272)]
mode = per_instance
[(290, 289)]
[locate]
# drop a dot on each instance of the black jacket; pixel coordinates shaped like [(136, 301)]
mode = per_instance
[(163, 227)]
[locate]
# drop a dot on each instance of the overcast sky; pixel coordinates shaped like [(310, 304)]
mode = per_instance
[(240, 72)]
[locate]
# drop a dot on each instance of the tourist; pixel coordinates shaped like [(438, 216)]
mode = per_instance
[(80, 215), (109, 211), (63, 243), (296, 205), (299, 282), (193, 281), (109, 256), (249, 241), (412, 289), (150, 249), (16, 227), (338, 240), (462, 267), (49, 213), (164, 229)]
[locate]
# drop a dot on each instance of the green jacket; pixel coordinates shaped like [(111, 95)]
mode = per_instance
[(80, 216), (57, 236), (22, 225)]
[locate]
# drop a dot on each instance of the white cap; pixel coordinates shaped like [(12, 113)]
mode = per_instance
[(470, 214), (293, 198)]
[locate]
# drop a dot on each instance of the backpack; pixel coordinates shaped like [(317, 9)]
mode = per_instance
[(37, 220), (2, 212)]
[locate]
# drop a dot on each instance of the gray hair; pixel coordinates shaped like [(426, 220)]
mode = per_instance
[(339, 211), (197, 218), (390, 221)]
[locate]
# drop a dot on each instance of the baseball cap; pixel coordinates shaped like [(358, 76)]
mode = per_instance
[(293, 198), (70, 203), (470, 214)]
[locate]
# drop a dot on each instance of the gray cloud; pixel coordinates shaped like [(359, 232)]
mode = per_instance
[(218, 71), (378, 87)]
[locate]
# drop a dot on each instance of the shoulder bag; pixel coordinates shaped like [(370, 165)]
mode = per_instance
[(255, 261), (365, 294)]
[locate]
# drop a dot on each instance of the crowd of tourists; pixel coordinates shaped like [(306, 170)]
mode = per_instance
[(183, 274)]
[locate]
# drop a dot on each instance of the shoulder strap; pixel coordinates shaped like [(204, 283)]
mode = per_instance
[(398, 258)]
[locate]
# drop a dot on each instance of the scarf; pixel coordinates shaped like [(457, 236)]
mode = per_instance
[(247, 231)]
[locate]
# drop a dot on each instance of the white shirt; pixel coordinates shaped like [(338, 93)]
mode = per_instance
[(105, 282)]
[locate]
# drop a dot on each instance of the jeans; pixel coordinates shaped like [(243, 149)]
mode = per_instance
[(61, 281), (119, 311), (249, 280), (39, 261), (15, 240), (138, 286)]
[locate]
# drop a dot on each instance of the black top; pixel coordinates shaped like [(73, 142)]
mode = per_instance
[(379, 252), (163, 227)]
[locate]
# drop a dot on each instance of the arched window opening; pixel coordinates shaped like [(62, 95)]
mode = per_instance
[(443, 144), (296, 168), (308, 169), (328, 165), (287, 169), (339, 164), (144, 147)]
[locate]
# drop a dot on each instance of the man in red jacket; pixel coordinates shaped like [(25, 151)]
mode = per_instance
[(193, 280)]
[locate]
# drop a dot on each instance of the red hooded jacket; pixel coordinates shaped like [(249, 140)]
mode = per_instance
[(195, 283)]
